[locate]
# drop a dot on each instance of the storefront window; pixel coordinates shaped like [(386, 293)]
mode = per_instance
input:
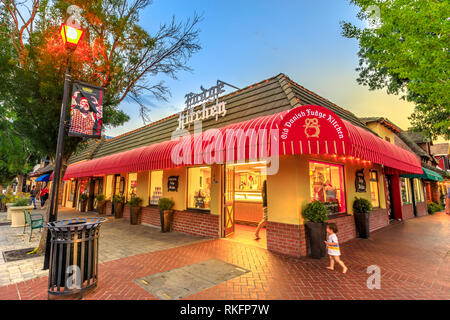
[(199, 187), (405, 191), (132, 185), (248, 182), (374, 191), (156, 183), (73, 184), (418, 190), (327, 185)]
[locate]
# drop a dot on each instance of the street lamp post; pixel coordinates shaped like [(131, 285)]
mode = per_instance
[(71, 37)]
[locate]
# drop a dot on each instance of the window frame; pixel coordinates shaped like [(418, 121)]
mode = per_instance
[(188, 208), (377, 180), (150, 186), (344, 184)]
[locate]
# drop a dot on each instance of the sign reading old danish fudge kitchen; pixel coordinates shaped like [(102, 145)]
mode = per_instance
[(313, 129)]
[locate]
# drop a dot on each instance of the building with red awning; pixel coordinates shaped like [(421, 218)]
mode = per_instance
[(304, 146)]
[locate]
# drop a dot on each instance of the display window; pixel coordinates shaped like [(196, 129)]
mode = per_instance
[(199, 188), (132, 185), (418, 190), (248, 183), (405, 190), (327, 185), (374, 189), (156, 184), (73, 184)]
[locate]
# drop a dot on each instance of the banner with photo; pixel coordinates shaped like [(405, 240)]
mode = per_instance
[(86, 110)]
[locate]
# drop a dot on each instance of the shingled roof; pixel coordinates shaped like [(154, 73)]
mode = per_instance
[(267, 97), (440, 149), (384, 121)]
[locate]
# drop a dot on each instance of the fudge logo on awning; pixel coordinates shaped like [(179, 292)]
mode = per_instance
[(312, 122)]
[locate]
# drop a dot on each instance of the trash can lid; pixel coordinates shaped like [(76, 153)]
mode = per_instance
[(75, 223)]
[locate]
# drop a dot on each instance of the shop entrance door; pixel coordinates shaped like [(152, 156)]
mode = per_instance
[(228, 201)]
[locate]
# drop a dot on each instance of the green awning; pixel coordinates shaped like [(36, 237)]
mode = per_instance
[(427, 174)]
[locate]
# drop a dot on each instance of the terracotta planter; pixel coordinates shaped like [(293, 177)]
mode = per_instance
[(135, 214), (101, 207), (118, 210)]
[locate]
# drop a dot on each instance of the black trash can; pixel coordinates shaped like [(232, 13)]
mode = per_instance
[(73, 255)]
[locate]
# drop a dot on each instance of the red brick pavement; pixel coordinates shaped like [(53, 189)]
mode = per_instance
[(413, 257)]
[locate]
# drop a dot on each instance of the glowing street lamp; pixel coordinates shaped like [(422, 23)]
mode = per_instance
[(71, 36)]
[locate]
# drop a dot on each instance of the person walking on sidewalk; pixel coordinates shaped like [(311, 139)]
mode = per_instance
[(263, 222), (333, 247), (44, 195), (33, 196), (447, 201)]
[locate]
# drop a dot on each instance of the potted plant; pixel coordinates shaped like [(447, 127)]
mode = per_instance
[(118, 201), (135, 209), (101, 203), (83, 202), (316, 228), (361, 210), (165, 206)]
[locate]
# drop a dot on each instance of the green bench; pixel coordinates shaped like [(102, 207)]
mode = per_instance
[(35, 221)]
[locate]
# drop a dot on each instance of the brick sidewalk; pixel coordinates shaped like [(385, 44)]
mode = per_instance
[(413, 256)]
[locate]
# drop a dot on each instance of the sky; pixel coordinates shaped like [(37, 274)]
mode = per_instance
[(247, 41)]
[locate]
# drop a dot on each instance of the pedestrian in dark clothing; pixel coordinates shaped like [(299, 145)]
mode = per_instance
[(44, 195), (33, 196)]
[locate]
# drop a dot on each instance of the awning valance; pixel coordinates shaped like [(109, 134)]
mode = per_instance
[(44, 177), (301, 130), (427, 175)]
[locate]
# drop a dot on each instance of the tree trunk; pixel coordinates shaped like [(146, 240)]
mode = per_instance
[(20, 183), (43, 241)]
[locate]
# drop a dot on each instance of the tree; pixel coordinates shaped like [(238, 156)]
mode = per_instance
[(115, 53), (406, 50)]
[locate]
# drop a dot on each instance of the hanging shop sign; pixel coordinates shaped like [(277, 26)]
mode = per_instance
[(86, 110), (172, 184), (189, 115), (360, 181)]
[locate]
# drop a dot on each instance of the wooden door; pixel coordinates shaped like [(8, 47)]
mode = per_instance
[(228, 205)]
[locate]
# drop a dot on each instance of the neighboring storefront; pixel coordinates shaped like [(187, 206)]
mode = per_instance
[(321, 152)]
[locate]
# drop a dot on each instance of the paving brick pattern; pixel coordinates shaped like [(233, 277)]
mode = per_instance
[(413, 257), (118, 239)]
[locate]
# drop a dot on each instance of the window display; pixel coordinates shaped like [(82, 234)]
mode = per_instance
[(199, 187), (156, 182), (132, 185), (248, 183), (418, 190), (327, 185), (405, 190), (73, 184), (374, 192)]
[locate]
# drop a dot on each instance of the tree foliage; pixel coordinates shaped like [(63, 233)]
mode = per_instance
[(405, 49), (116, 53)]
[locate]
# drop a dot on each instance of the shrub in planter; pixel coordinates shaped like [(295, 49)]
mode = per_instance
[(21, 202), (101, 203), (83, 201), (316, 228), (135, 209), (165, 206), (433, 207), (118, 201), (361, 211)]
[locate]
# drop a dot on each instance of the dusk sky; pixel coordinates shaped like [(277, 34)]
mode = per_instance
[(244, 42)]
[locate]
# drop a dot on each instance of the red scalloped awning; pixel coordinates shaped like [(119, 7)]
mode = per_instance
[(301, 130)]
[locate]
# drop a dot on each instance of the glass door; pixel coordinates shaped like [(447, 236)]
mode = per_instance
[(228, 205)]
